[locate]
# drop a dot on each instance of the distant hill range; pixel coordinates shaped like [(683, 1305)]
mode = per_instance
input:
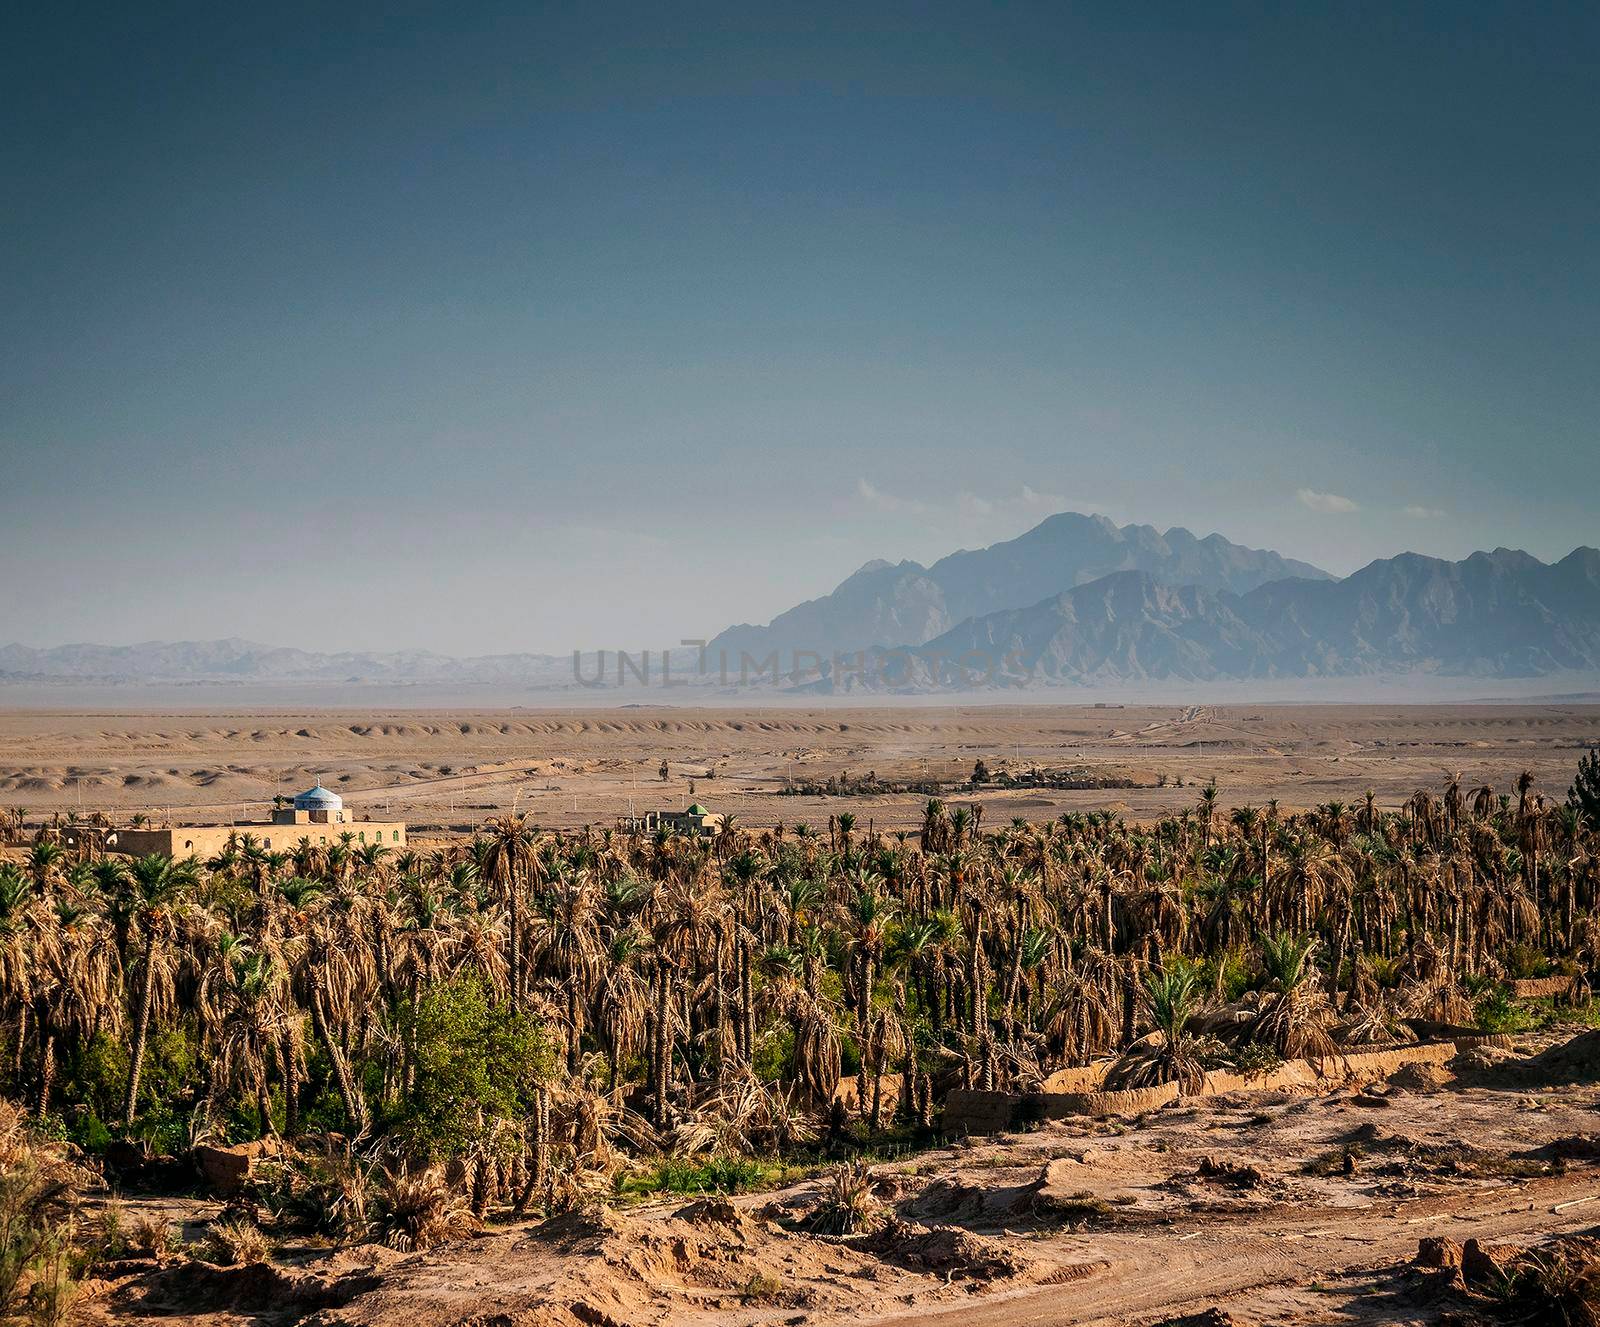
[(245, 661), (1075, 601), (908, 604), (1495, 615)]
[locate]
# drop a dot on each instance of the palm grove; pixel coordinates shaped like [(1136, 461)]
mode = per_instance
[(535, 1015)]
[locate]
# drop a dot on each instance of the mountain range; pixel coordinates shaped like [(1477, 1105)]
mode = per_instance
[(235, 660), (1494, 615), (908, 604), (1077, 600)]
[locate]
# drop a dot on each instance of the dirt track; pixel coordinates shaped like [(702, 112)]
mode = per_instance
[(1307, 1249), (1184, 1271)]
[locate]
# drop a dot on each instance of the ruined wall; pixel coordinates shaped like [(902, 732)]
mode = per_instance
[(1540, 988), (993, 1112), (1085, 1078)]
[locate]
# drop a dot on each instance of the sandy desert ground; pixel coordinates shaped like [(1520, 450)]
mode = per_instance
[(1241, 1211), (573, 767)]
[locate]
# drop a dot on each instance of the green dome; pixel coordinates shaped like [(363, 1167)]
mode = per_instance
[(695, 809)]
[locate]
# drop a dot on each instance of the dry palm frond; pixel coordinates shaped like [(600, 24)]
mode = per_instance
[(578, 1190), (38, 1205), (1296, 1023), (1369, 1018), (742, 1115), (1560, 1287), (1439, 997), (1152, 1062), (1022, 1067), (1367, 1023), (235, 1243), (817, 1051), (600, 1125), (1081, 1019), (847, 1206), (416, 1211), (151, 1237)]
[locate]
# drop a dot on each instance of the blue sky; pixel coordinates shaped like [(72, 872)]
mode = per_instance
[(529, 327)]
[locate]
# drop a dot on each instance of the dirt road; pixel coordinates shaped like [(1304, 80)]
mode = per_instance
[(1191, 1266)]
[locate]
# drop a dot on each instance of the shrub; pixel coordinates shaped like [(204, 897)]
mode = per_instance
[(151, 1237), (234, 1243), (1255, 1057), (1561, 1287), (1523, 961), (414, 1212), (112, 1234), (717, 1175), (55, 1286), (38, 1222), (1235, 974), (1498, 1012), (761, 1288), (313, 1195), (847, 1206)]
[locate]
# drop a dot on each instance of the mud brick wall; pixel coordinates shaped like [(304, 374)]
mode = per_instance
[(974, 1112)]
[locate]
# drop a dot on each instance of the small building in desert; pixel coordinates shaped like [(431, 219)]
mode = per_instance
[(696, 819), (316, 815), (315, 806)]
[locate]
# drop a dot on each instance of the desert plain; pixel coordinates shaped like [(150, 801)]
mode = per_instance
[(570, 767)]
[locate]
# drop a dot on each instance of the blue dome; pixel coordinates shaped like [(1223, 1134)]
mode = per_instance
[(318, 799)]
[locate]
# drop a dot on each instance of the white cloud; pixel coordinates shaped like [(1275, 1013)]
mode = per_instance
[(1041, 501), (1421, 513), (1027, 502), (1325, 502), (874, 496), (966, 505)]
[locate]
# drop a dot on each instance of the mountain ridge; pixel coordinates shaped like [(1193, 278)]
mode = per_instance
[(1500, 614), (235, 658), (905, 603)]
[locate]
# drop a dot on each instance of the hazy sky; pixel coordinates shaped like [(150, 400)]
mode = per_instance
[(492, 327)]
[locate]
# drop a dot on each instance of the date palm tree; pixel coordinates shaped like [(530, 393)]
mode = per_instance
[(155, 887), (508, 863), (1171, 996)]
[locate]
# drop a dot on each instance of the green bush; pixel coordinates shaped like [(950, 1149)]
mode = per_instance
[(718, 1175), (1523, 961), (1498, 1012), (477, 1065), (88, 1131), (773, 1054), (1255, 1057), (1236, 975)]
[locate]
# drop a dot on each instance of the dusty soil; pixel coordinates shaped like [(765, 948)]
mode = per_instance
[(574, 767), (1269, 1207)]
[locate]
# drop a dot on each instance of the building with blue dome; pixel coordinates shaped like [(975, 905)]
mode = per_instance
[(315, 806), (317, 816)]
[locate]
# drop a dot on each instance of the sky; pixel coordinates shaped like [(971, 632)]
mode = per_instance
[(483, 328)]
